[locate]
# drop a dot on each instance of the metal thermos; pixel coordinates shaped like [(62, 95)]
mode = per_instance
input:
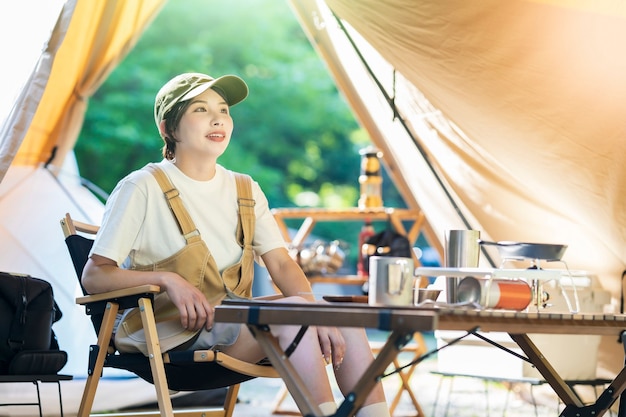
[(461, 250)]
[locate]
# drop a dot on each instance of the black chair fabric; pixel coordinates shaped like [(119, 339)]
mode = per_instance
[(183, 374)]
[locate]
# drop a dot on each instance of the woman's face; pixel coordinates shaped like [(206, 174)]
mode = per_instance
[(206, 126)]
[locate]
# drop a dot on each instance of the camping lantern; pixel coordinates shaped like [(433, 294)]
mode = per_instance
[(370, 178)]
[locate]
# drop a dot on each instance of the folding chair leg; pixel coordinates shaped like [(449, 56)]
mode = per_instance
[(405, 377), (104, 337), (231, 400), (38, 398), (280, 399), (156, 358)]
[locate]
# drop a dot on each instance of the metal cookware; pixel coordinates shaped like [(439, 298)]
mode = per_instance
[(391, 281), (321, 257), (423, 294), (522, 250), (462, 250)]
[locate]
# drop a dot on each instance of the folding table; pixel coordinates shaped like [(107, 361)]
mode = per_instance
[(402, 322)]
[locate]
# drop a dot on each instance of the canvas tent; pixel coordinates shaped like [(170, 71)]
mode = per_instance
[(504, 117), (499, 116), (79, 50)]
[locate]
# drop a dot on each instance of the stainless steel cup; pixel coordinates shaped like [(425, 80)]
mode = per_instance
[(461, 250), (391, 281)]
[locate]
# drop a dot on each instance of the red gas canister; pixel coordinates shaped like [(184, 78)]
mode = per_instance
[(506, 294)]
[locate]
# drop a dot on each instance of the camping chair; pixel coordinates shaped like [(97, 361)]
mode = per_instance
[(176, 370)]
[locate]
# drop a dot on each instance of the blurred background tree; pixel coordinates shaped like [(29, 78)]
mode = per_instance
[(294, 134)]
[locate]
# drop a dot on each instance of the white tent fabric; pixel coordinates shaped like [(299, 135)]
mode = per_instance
[(32, 202), (508, 115), (525, 157)]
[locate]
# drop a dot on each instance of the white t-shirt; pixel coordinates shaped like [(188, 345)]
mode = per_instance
[(139, 228)]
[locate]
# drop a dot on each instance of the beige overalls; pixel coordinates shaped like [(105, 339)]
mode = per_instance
[(195, 263)]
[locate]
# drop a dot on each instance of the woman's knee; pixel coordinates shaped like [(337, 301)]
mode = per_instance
[(245, 347), (289, 332), (354, 334)]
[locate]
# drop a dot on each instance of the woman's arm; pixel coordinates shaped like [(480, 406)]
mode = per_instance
[(102, 274), (287, 274), (291, 280)]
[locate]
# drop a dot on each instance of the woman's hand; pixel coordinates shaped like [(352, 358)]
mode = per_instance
[(289, 278), (333, 345), (195, 311), (102, 274)]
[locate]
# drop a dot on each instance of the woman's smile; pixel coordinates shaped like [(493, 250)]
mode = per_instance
[(217, 136)]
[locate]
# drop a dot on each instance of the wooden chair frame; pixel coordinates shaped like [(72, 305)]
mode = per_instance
[(110, 303)]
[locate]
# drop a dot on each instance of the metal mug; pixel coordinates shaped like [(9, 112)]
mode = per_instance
[(461, 250), (391, 281)]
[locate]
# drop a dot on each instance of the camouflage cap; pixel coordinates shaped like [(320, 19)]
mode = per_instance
[(186, 86)]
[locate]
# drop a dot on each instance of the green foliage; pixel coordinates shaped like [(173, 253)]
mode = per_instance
[(294, 134)]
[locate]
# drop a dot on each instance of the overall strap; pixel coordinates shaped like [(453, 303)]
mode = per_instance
[(246, 209), (185, 223)]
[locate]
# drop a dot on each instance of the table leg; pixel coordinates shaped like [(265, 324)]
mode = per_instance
[(564, 391), (573, 405), (621, 412), (285, 369), (300, 393)]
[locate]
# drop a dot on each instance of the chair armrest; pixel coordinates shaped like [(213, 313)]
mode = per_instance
[(206, 355), (71, 226), (117, 294)]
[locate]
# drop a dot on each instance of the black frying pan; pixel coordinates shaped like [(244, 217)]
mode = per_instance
[(521, 250)]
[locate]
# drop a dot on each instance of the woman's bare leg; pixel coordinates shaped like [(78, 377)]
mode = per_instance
[(307, 359), (358, 356)]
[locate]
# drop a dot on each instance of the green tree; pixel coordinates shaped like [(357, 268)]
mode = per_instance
[(294, 134)]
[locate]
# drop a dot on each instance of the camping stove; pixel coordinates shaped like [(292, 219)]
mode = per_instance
[(534, 275), (540, 296)]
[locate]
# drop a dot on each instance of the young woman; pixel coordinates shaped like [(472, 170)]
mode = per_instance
[(140, 239)]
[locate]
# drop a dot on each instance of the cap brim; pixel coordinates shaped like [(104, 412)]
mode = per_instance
[(232, 86)]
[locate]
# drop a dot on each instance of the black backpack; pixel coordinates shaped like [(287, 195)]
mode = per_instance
[(28, 345), (385, 243)]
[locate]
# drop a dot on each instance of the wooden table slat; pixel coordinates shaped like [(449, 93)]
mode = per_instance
[(419, 319)]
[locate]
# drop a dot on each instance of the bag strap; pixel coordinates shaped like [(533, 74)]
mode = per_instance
[(185, 224), (16, 334)]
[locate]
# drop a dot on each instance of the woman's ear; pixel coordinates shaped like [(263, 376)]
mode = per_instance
[(162, 129)]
